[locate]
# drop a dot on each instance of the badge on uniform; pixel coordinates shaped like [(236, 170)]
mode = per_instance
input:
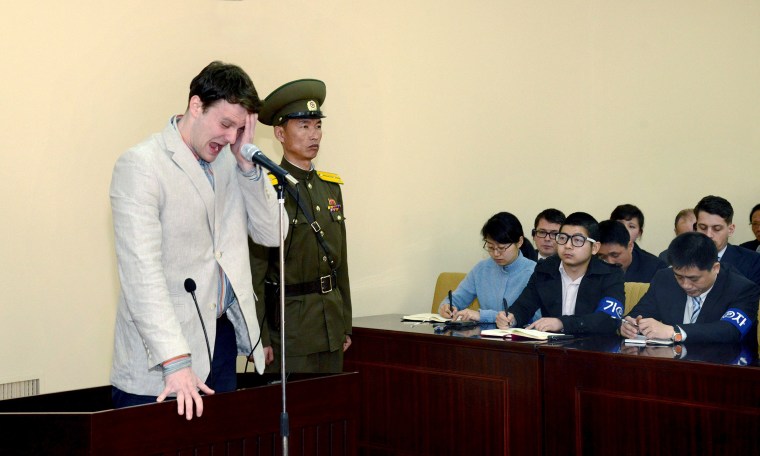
[(333, 205)]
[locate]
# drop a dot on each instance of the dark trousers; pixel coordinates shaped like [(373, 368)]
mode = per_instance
[(221, 379)]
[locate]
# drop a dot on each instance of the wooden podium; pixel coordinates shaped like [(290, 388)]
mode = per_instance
[(322, 411)]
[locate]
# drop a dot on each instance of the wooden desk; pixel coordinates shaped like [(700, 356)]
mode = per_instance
[(649, 403), (425, 393), (432, 394), (322, 413)]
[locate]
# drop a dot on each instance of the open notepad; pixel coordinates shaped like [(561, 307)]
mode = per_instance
[(431, 317), (513, 333)]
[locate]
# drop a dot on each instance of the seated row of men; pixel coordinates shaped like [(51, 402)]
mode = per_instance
[(705, 296)]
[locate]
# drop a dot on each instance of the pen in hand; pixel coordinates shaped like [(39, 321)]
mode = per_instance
[(451, 305)]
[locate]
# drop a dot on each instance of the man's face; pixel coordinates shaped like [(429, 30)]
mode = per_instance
[(576, 256), (715, 227), (546, 245), (695, 281), (685, 224), (614, 253), (755, 222), (633, 226), (220, 124), (300, 139)]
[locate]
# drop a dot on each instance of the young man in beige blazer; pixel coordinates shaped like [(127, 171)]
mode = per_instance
[(184, 203)]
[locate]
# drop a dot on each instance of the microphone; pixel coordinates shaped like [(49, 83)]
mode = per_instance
[(190, 288), (252, 153)]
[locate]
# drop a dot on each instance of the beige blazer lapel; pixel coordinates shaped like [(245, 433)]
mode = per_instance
[(185, 159)]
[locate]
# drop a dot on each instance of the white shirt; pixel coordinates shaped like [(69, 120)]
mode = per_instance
[(569, 291)]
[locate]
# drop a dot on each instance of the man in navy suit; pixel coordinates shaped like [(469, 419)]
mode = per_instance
[(617, 248), (699, 299), (714, 218)]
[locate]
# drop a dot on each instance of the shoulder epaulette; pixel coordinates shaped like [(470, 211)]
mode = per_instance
[(329, 177), (272, 178)]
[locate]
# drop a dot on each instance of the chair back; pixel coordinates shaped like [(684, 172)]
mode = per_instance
[(449, 281), (633, 293)]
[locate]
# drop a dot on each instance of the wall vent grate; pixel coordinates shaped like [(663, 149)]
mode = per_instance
[(23, 388)]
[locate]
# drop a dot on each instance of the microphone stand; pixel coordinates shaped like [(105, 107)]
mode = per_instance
[(284, 421)]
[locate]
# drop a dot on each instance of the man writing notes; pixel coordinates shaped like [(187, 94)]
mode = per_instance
[(699, 299), (576, 292), (317, 293), (184, 203)]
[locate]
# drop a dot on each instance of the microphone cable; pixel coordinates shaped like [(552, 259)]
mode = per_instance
[(190, 288)]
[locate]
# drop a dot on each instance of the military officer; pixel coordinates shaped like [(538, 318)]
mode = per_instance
[(317, 295)]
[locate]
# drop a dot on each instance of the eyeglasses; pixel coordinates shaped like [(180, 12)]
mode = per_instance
[(577, 239), (492, 249), (543, 233)]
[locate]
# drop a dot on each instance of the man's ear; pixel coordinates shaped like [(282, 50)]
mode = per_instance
[(195, 106), (520, 243), (630, 245), (279, 133), (595, 248), (731, 229)]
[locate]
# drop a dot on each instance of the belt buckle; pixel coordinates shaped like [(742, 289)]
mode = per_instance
[(325, 284), (315, 226)]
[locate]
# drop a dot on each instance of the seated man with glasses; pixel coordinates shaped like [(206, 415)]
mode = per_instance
[(496, 281), (545, 229), (576, 292), (699, 299)]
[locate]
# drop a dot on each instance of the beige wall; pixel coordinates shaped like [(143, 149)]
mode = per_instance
[(439, 115)]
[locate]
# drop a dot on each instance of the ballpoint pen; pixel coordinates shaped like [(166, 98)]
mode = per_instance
[(451, 304)]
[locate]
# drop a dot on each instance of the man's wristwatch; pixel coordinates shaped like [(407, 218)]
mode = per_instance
[(677, 337)]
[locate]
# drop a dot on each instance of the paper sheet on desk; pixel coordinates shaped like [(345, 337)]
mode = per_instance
[(426, 317)]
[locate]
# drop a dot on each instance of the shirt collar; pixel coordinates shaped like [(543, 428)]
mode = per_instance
[(566, 278)]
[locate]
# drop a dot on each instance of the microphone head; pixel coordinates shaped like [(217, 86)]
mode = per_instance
[(248, 151), (189, 285)]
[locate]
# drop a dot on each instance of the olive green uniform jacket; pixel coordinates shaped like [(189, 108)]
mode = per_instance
[(314, 322)]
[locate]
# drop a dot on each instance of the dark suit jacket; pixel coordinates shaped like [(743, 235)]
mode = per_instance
[(643, 266), (666, 301), (751, 245), (544, 291), (745, 261)]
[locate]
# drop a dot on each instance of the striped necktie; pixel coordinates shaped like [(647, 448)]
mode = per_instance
[(696, 306)]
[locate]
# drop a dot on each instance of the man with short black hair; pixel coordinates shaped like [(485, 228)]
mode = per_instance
[(617, 248), (576, 292), (545, 229), (699, 299), (714, 219)]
